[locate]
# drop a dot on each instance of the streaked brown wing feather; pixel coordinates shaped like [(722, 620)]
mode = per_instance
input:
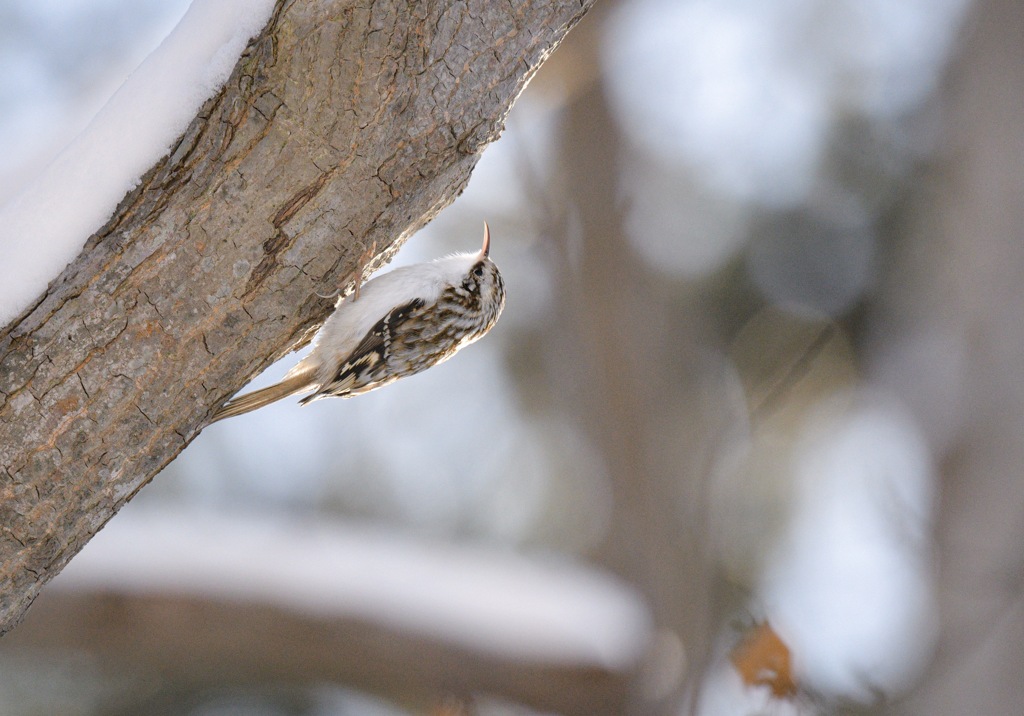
[(366, 367)]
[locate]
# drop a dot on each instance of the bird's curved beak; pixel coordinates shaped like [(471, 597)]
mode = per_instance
[(487, 242)]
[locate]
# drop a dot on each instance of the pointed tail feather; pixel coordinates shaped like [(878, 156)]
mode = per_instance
[(291, 385)]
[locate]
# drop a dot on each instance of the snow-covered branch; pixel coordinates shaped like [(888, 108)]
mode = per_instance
[(381, 608), (342, 126)]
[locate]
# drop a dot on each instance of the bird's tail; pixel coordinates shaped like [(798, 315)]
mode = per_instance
[(292, 384)]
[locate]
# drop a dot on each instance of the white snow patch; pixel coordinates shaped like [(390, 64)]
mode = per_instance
[(850, 590), (489, 599), (43, 228)]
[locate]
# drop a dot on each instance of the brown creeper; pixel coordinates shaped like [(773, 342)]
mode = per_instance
[(403, 322)]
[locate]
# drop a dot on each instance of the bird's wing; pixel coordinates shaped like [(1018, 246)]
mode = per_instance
[(366, 366)]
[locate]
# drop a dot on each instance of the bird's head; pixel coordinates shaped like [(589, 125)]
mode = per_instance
[(471, 291), (484, 280)]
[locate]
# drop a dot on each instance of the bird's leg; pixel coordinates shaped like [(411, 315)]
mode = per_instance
[(361, 267), (356, 275)]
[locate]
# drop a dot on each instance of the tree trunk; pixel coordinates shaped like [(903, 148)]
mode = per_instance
[(342, 127), (635, 385), (951, 328)]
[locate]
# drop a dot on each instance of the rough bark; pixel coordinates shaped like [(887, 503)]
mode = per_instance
[(344, 126)]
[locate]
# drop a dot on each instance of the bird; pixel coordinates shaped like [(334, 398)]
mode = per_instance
[(403, 322)]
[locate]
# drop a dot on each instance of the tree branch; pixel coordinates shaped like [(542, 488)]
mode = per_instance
[(341, 125), (188, 643)]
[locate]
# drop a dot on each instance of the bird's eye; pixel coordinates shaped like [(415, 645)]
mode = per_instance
[(478, 271)]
